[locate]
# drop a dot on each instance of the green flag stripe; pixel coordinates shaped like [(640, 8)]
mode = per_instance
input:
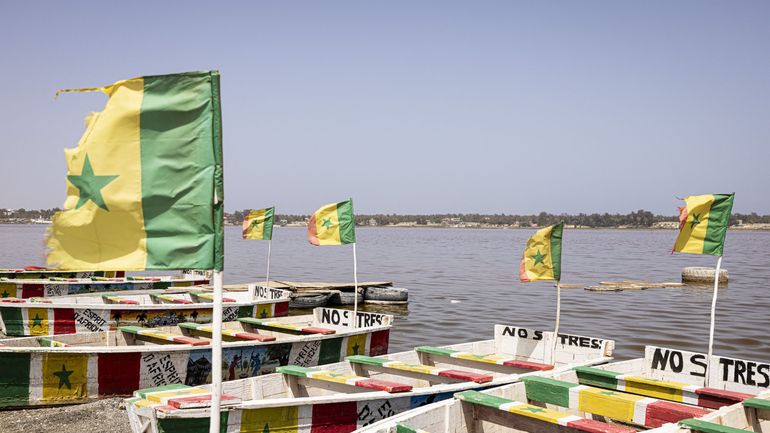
[(347, 222), (716, 229), (13, 321), (555, 238), (182, 223), (267, 230), (191, 425), (330, 351), (14, 375)]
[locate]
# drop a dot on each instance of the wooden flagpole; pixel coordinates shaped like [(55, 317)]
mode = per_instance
[(355, 285), (216, 355), (713, 316)]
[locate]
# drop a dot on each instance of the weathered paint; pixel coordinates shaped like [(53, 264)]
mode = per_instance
[(60, 287)]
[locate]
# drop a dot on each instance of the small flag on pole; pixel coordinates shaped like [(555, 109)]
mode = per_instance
[(703, 224), (542, 255), (258, 224), (332, 224), (144, 185)]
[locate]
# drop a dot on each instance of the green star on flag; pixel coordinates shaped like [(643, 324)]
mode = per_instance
[(538, 258), (327, 223), (695, 220), (37, 321), (64, 377), (90, 185)]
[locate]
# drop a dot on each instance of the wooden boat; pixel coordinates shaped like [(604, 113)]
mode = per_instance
[(36, 272), (558, 403), (56, 286), (669, 385), (345, 396), (74, 368), (91, 313)]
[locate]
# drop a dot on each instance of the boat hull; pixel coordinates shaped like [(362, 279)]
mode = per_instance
[(25, 289)]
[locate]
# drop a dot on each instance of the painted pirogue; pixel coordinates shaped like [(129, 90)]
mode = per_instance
[(54, 286), (73, 368), (667, 391), (338, 398), (91, 313), (37, 272)]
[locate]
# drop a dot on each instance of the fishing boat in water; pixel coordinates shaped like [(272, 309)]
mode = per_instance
[(362, 390), (93, 313), (668, 391), (74, 368), (56, 286)]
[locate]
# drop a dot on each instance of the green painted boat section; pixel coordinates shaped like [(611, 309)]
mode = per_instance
[(403, 428), (142, 393), (14, 375), (251, 321), (367, 360), (708, 427), (14, 324), (757, 403), (597, 377), (434, 350), (130, 329), (330, 351), (191, 425), (548, 390), (476, 397), (246, 311), (294, 370)]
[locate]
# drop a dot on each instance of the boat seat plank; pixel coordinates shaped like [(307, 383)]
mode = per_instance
[(540, 413), (233, 333), (180, 396), (346, 379), (484, 358), (708, 427), (210, 297), (757, 403), (170, 298), (152, 334), (114, 299), (404, 428), (646, 411), (419, 368), (273, 325), (711, 398), (48, 342)]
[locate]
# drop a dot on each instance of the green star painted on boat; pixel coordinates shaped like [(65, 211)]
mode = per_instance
[(534, 409), (263, 314), (266, 429), (327, 223), (539, 257), (37, 321), (5, 294), (90, 185), (695, 220), (355, 348), (64, 377)]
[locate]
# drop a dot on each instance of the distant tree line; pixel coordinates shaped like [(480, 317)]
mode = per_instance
[(640, 218)]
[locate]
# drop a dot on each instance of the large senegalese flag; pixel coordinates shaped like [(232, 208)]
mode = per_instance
[(145, 185), (332, 224), (542, 255), (703, 224), (258, 224)]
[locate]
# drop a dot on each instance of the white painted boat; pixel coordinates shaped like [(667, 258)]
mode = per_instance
[(97, 313), (558, 403), (55, 286), (751, 415), (37, 272), (73, 368), (342, 397), (666, 386)]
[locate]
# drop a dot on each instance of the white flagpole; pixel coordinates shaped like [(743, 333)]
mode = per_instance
[(355, 285), (267, 274), (216, 355), (558, 318), (713, 316)]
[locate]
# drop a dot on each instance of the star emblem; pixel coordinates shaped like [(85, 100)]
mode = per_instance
[(355, 349), (64, 377), (90, 185), (263, 314), (37, 321), (5, 294), (266, 429), (538, 257), (327, 223), (695, 220)]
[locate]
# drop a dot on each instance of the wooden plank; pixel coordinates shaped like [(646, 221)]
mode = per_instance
[(708, 427), (277, 326)]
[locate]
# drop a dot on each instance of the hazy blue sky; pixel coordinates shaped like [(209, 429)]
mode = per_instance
[(418, 106)]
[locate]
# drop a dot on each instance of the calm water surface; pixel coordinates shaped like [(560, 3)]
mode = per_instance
[(479, 269)]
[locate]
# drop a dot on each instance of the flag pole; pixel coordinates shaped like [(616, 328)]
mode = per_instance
[(216, 355), (713, 315), (558, 318), (355, 285), (267, 274)]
